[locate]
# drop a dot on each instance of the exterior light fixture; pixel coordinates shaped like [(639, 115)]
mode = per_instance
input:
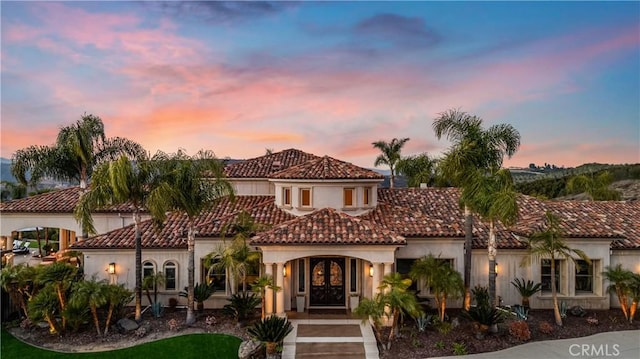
[(371, 271), (495, 268), (284, 271), (112, 268)]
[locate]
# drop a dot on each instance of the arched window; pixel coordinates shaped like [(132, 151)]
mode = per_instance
[(148, 268), (170, 276)]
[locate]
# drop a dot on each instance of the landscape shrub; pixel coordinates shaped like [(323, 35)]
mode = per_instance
[(519, 329), (545, 327)]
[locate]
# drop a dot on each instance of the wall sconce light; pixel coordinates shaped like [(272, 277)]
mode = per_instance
[(371, 271), (112, 268), (284, 271), (495, 268)]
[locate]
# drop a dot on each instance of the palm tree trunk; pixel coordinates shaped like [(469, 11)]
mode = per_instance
[(109, 314), (53, 329), (554, 293), (392, 177), (39, 242), (492, 252), (63, 304), (622, 298), (96, 322), (394, 326), (138, 245), (468, 243), (191, 318), (442, 306), (632, 310)]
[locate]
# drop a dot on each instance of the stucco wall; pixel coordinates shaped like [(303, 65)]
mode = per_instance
[(252, 187), (629, 259), (103, 222)]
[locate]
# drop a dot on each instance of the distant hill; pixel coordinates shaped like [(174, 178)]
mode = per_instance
[(554, 185), (5, 170)]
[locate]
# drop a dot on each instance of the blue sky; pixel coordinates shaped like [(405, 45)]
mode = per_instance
[(327, 78)]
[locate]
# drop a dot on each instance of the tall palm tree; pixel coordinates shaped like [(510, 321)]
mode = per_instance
[(472, 148), (494, 198), (549, 244), (78, 149), (418, 169), (445, 282), (194, 185), (597, 188), (138, 183), (390, 155)]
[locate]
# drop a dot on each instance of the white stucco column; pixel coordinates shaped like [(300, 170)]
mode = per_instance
[(268, 293), (377, 276), (387, 268), (280, 293)]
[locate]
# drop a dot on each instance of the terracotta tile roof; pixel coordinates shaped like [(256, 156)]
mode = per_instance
[(589, 219), (59, 201), (172, 234), (261, 167), (328, 226), (265, 213), (326, 168)]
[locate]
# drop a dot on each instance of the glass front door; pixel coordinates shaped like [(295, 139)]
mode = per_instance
[(327, 281)]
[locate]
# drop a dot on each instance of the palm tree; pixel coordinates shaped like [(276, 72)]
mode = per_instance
[(473, 148), (634, 293), (398, 300), (260, 286), (194, 184), (494, 198), (549, 244), (620, 280), (418, 169), (138, 183), (18, 281), (597, 188), (243, 258), (445, 282), (78, 149), (44, 305), (390, 155), (116, 295), (60, 277), (94, 294), (151, 282)]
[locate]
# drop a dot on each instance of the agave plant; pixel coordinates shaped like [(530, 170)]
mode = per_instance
[(242, 306), (271, 331), (526, 289), (201, 292), (483, 317)]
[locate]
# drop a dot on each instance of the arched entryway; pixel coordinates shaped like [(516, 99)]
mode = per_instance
[(327, 284)]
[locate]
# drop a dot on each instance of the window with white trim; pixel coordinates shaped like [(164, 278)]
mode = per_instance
[(584, 276), (348, 195), (545, 274), (170, 276), (305, 197), (148, 269), (286, 196), (366, 196), (217, 277)]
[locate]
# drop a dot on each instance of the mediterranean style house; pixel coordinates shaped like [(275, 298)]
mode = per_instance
[(331, 233)]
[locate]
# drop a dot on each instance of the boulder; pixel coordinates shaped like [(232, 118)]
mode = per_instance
[(250, 349), (126, 325)]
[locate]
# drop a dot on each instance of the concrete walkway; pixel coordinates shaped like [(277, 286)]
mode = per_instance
[(623, 345), (330, 338)]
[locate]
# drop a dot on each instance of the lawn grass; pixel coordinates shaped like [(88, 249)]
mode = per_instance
[(218, 346)]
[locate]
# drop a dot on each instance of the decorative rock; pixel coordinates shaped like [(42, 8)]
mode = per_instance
[(126, 325), (455, 322), (42, 325), (250, 349), (577, 311)]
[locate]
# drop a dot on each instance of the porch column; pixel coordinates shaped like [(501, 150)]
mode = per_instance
[(387, 268), (268, 293), (280, 293), (375, 281)]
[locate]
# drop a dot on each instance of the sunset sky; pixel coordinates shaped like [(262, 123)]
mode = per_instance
[(326, 78)]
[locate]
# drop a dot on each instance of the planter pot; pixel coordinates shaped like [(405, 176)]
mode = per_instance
[(300, 301), (354, 301)]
